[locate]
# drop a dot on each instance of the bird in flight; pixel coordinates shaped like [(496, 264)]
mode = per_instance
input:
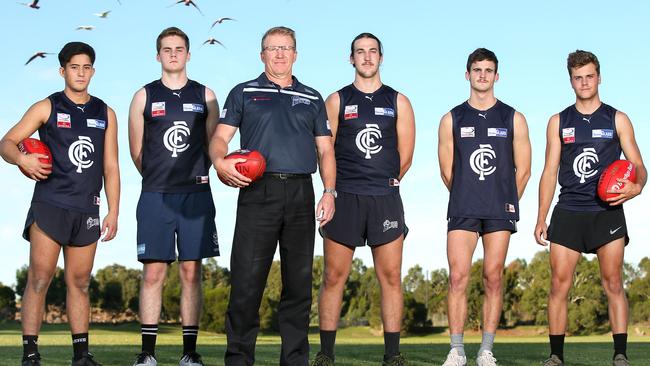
[(187, 3), (37, 55), (85, 27), (33, 4), (220, 20), (213, 41), (103, 14)]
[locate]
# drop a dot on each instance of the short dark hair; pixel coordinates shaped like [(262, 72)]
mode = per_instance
[(366, 35), (283, 31), (580, 58), (172, 31), (72, 49), (482, 54)]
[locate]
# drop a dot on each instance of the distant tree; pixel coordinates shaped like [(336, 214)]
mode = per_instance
[(215, 304), (536, 284), (475, 295), (370, 286), (437, 303), (587, 300), (57, 291), (415, 313), (355, 303), (513, 289), (171, 296), (214, 275), (7, 303), (639, 293), (128, 279), (316, 281)]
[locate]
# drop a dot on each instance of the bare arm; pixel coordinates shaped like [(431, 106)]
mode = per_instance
[(111, 177), (327, 168), (522, 152), (548, 179), (218, 149), (405, 134), (32, 120), (332, 104), (446, 149), (136, 127), (625, 133), (213, 113)]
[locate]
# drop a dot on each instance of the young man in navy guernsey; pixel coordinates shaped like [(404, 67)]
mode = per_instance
[(286, 121), (484, 155), (81, 132), (581, 142), (374, 133), (171, 121)]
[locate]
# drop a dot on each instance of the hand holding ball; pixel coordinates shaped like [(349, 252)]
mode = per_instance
[(620, 169), (254, 166), (35, 146)]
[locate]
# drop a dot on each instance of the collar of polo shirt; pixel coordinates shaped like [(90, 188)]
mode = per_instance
[(263, 80)]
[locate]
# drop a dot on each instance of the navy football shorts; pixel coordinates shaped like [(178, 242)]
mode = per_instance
[(481, 226), (64, 226)]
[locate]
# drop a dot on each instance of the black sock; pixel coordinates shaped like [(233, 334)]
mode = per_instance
[(30, 345), (327, 340), (149, 333), (620, 344), (391, 344), (190, 333), (80, 345), (557, 345)]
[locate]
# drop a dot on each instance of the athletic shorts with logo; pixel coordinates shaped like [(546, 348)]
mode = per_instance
[(361, 219), (171, 223), (64, 226), (481, 226), (586, 231)]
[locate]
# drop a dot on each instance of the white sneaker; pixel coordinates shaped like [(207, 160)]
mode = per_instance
[(486, 358), (454, 359)]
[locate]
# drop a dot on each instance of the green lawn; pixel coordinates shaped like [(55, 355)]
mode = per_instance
[(117, 345)]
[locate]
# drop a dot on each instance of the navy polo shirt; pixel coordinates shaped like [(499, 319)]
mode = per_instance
[(281, 123)]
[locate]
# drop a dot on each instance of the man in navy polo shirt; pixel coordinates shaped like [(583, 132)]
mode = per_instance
[(287, 122)]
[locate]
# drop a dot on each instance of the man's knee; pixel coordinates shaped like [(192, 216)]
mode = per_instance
[(493, 280), (78, 281), (39, 281), (190, 272), (458, 281), (613, 285), (334, 277), (389, 277), (153, 276)]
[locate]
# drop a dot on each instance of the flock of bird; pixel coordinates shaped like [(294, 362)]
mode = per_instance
[(104, 14)]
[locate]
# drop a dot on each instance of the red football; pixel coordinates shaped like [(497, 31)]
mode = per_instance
[(35, 146), (620, 169), (254, 165)]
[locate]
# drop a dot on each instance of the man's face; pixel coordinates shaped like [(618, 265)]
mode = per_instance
[(585, 80), (482, 75), (366, 58), (278, 55), (173, 54), (78, 72)]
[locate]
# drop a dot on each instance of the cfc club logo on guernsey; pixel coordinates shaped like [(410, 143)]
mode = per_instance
[(79, 153), (583, 164), (366, 140), (481, 159), (174, 138)]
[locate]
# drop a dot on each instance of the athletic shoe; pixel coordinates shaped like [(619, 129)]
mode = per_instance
[(322, 360), (454, 359), (486, 358), (86, 360), (191, 359), (553, 361), (33, 359), (397, 360), (145, 359), (620, 360)]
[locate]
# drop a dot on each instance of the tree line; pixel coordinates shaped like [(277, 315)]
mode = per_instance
[(115, 289)]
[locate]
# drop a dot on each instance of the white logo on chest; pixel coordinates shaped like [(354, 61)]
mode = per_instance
[(583, 164), (480, 161), (174, 138), (367, 140), (79, 152)]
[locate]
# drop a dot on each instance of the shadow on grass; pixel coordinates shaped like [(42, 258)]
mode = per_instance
[(516, 354)]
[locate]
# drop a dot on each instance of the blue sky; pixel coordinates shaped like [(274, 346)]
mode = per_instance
[(426, 44)]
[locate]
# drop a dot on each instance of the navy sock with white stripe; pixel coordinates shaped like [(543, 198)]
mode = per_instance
[(190, 334), (149, 333)]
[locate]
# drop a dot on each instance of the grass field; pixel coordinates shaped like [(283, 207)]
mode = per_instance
[(117, 345)]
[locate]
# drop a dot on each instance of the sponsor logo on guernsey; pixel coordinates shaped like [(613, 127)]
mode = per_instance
[(141, 248), (497, 132), (92, 221), (467, 132), (351, 112), (393, 182), (569, 135), (295, 100), (202, 179), (583, 164), (328, 124), (390, 112), (366, 140), (602, 134), (223, 113), (79, 153), (390, 225), (63, 120), (481, 159), (510, 208), (193, 107), (157, 109), (174, 137), (96, 200), (215, 241), (96, 123)]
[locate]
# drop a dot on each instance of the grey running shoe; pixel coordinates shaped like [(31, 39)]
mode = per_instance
[(145, 359), (454, 359), (191, 359), (322, 360), (397, 360), (620, 360), (486, 358), (553, 361), (33, 359), (86, 360)]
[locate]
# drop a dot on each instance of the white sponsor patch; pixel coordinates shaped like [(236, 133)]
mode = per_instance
[(223, 113), (351, 112), (329, 126), (602, 134), (62, 117), (157, 109), (192, 107), (141, 248), (202, 179), (390, 112), (467, 132), (92, 221), (393, 182), (497, 132), (96, 123), (510, 207), (296, 99), (390, 225)]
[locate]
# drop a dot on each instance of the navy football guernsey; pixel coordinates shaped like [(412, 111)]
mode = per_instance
[(589, 145), (483, 185), (175, 147), (367, 160), (75, 135)]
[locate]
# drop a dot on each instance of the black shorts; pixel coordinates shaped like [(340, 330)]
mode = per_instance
[(481, 226), (361, 219), (586, 231), (64, 226)]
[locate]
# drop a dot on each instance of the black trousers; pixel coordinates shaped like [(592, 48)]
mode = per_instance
[(269, 211)]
